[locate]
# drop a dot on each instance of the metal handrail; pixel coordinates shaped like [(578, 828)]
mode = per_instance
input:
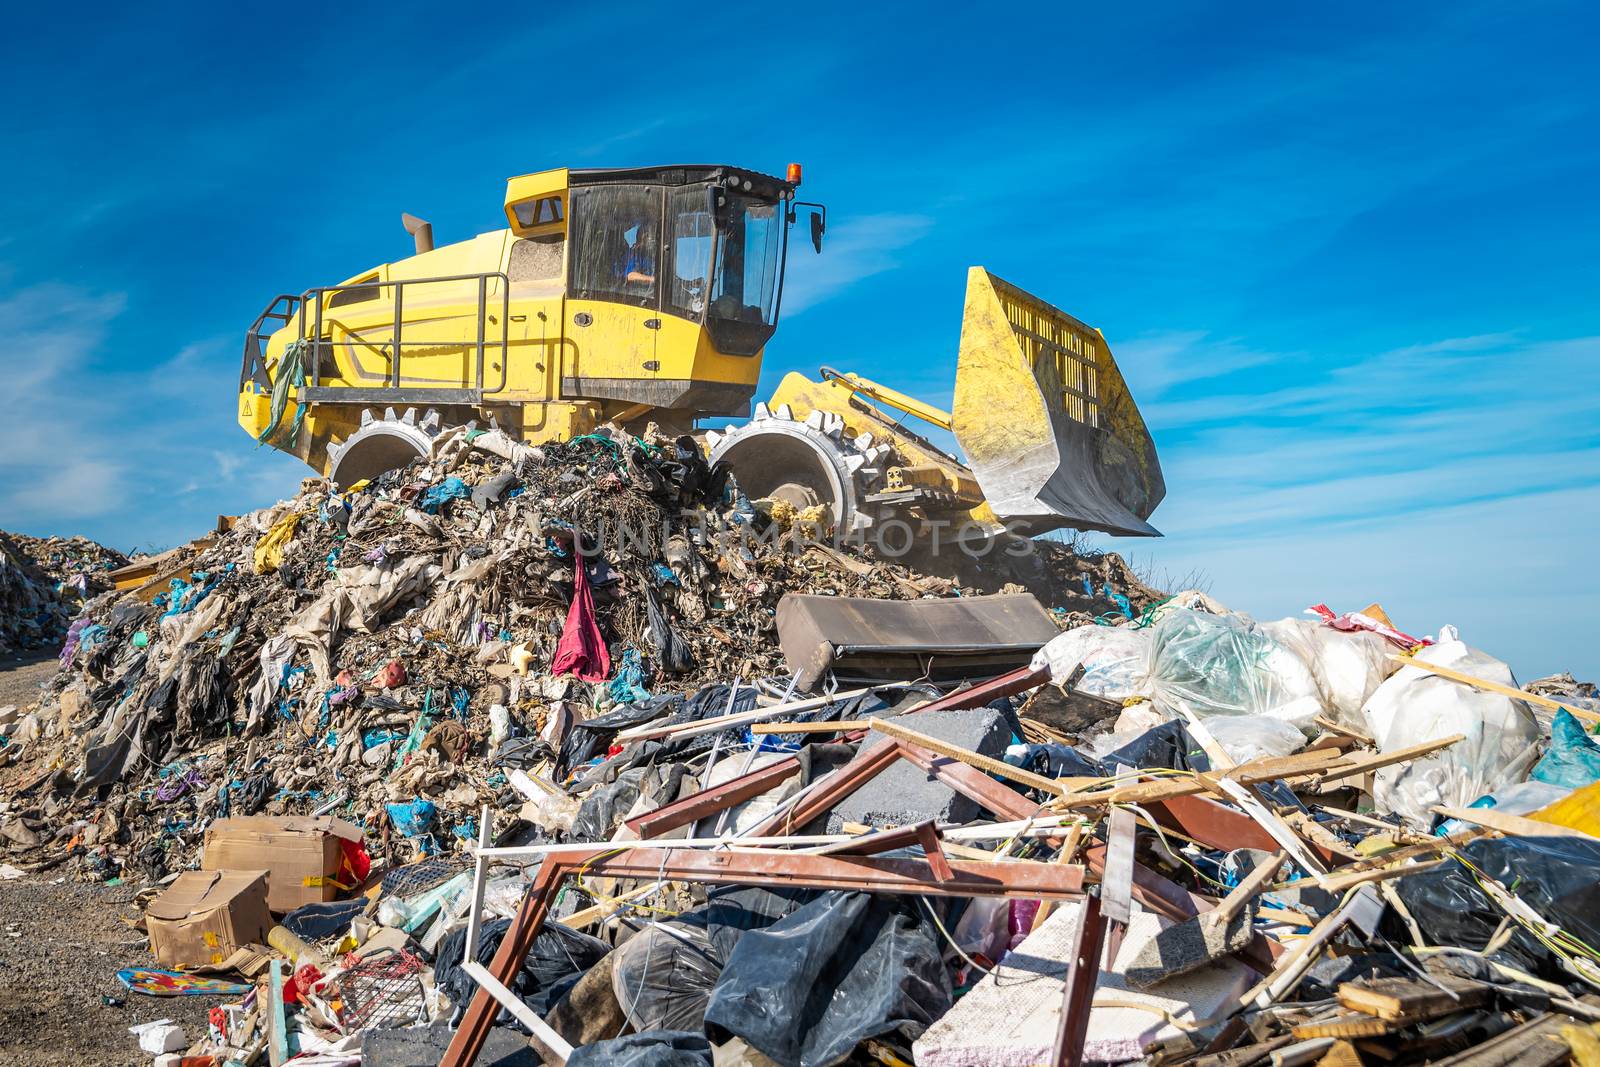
[(254, 367), (397, 342)]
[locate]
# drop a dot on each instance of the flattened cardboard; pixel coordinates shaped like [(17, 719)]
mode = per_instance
[(204, 917), (301, 854)]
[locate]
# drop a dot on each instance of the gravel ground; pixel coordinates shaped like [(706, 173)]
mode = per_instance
[(22, 674), (61, 946)]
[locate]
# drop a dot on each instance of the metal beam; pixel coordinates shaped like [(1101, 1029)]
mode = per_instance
[(1018, 879)]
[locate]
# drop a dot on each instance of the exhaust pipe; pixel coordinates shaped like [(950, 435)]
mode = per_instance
[(420, 229)]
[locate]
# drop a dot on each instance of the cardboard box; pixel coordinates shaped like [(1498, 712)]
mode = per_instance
[(203, 917), (303, 856)]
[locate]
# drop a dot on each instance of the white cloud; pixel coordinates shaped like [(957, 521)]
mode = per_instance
[(129, 453), (853, 249), (1160, 361)]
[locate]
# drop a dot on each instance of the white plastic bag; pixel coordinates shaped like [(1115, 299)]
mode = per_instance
[(1248, 737), (1347, 667), (1113, 659), (1227, 665), (1501, 739)]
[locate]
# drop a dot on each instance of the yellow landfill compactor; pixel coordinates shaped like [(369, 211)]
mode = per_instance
[(647, 295)]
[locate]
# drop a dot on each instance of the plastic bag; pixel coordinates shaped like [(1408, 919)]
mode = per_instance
[(1347, 667), (1552, 875), (1413, 707), (845, 967), (1227, 665), (559, 957), (654, 1048), (1247, 738), (1113, 659), (663, 976), (1573, 759), (1521, 798)]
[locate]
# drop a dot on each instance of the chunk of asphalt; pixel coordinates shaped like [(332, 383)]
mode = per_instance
[(904, 793)]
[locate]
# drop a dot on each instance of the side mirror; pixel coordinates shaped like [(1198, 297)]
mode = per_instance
[(818, 227)]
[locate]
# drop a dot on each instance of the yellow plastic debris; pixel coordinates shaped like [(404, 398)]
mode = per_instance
[(269, 550), (1584, 1043), (1578, 810)]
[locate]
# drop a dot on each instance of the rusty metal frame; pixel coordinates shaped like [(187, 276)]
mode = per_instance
[(1083, 975), (1021, 880), (737, 790)]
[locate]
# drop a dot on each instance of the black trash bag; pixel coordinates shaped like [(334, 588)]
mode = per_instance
[(671, 650), (557, 960), (653, 1048), (1054, 761), (1555, 876), (606, 804), (559, 957), (313, 922), (663, 976), (1168, 745), (846, 967), (592, 737), (864, 706)]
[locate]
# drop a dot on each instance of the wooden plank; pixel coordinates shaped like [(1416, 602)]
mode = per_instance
[(1356, 1025), (1403, 1000), (1313, 766), (1495, 687), (892, 728), (1511, 825)]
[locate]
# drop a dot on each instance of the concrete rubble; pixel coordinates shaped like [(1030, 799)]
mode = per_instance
[(499, 759)]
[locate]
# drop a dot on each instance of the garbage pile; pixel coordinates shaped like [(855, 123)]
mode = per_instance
[(44, 582), (461, 766)]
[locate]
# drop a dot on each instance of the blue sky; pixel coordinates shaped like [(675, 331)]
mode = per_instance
[(1345, 257)]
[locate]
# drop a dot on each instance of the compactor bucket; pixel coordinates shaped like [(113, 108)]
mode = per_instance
[(1045, 419)]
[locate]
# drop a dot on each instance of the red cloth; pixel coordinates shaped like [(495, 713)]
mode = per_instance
[(582, 650)]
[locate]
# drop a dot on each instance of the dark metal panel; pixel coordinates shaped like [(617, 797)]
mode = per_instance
[(338, 395)]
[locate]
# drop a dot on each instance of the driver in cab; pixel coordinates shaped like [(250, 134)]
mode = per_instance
[(639, 264)]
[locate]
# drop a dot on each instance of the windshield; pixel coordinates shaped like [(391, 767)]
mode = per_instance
[(749, 257)]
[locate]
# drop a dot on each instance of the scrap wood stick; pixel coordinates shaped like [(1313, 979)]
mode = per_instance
[(1495, 687), (1314, 766), (1338, 883), (1510, 825), (892, 728), (836, 726)]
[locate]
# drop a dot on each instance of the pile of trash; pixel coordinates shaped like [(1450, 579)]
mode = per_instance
[(575, 755), (44, 582)]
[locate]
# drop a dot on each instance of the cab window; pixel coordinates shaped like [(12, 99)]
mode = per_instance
[(615, 243)]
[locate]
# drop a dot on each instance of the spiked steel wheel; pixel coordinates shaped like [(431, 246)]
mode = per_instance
[(804, 463), (382, 444)]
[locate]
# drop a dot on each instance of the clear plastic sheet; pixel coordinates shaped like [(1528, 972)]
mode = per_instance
[(1113, 660), (654, 1048), (1228, 665)]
